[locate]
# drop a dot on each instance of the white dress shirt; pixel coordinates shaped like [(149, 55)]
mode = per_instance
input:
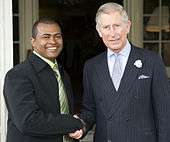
[(124, 55)]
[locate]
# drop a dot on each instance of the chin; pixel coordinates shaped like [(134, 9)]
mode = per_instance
[(53, 55), (115, 48)]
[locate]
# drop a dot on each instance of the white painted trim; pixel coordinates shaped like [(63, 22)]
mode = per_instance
[(6, 58)]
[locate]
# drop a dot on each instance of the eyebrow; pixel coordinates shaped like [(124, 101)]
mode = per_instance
[(50, 34)]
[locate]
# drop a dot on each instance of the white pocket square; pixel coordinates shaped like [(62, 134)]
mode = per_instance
[(143, 76)]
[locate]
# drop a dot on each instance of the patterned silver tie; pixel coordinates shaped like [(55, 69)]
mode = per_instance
[(117, 71)]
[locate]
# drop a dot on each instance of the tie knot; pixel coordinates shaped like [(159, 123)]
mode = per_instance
[(55, 69), (117, 55)]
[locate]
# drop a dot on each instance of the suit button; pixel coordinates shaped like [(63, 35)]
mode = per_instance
[(109, 141)]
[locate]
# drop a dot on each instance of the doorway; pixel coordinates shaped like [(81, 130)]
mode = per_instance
[(81, 40)]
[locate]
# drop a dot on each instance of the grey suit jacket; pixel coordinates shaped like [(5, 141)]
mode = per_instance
[(31, 95), (139, 111)]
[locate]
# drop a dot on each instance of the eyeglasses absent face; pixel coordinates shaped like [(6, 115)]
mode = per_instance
[(48, 41), (113, 30)]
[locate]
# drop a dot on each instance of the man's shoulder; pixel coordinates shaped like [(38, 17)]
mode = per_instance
[(145, 52), (97, 58), (21, 68), (147, 55)]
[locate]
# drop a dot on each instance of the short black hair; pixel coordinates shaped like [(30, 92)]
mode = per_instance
[(44, 20)]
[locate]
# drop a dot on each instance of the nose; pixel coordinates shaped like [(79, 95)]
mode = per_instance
[(112, 31), (112, 28), (52, 40)]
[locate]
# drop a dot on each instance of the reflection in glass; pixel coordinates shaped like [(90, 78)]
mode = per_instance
[(159, 20), (156, 31), (149, 6), (165, 35), (152, 46), (149, 35)]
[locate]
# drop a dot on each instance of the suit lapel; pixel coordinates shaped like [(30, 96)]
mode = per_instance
[(102, 71), (130, 73), (113, 100), (103, 77), (47, 80)]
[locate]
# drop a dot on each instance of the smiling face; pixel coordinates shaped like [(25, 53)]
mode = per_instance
[(113, 30), (48, 41)]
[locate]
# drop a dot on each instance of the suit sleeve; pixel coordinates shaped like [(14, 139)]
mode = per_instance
[(161, 101), (27, 115), (88, 112)]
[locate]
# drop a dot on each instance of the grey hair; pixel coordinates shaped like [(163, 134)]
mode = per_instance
[(108, 8)]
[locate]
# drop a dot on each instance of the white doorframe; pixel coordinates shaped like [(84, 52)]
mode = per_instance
[(6, 57)]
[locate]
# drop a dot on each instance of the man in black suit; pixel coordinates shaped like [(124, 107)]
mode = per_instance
[(126, 90), (32, 91)]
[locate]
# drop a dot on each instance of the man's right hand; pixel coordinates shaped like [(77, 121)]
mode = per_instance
[(77, 134)]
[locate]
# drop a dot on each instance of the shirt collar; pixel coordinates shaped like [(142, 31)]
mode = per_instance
[(46, 60), (124, 52)]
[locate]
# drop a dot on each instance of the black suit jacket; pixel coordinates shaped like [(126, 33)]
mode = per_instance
[(31, 95), (139, 111)]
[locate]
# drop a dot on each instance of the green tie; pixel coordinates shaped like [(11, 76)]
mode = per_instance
[(64, 108)]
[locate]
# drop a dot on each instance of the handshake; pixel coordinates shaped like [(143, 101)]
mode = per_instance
[(79, 133)]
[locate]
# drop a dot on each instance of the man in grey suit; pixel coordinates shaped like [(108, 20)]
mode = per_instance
[(126, 89), (39, 101)]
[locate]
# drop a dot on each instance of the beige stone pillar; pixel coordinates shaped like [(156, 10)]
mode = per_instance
[(28, 14), (134, 9)]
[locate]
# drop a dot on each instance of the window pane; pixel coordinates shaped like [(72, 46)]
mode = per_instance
[(157, 28), (165, 21), (166, 53), (153, 21), (149, 6), (148, 33), (165, 35), (152, 46), (165, 2)]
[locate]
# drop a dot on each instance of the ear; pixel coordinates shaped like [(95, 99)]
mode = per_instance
[(32, 41), (128, 26)]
